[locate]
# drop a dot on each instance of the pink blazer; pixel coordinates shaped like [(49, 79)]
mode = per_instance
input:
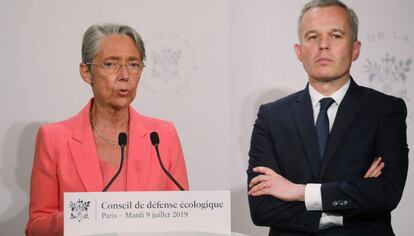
[(66, 160)]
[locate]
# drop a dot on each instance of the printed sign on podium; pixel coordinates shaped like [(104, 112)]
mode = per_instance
[(89, 213)]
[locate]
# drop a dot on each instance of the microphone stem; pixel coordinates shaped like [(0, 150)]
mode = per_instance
[(165, 170), (118, 172)]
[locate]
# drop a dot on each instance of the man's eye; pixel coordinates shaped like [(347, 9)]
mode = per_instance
[(312, 37), (337, 36)]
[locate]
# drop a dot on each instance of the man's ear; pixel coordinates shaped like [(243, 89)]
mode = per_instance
[(356, 49), (85, 73), (298, 51)]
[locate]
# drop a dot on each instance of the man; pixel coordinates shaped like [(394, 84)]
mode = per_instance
[(335, 166)]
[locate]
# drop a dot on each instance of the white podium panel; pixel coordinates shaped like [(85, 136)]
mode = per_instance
[(204, 212), (169, 234)]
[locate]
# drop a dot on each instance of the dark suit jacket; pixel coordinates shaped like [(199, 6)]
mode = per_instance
[(368, 124)]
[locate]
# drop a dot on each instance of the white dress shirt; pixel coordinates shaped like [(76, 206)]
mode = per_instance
[(313, 198)]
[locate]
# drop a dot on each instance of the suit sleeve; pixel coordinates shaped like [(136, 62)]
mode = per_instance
[(266, 210), (177, 165), (45, 218), (382, 194)]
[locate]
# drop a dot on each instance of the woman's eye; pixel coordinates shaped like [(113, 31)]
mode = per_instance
[(109, 64), (133, 65)]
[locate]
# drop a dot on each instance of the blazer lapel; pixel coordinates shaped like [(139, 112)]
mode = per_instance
[(348, 109), (303, 116), (83, 151), (139, 148)]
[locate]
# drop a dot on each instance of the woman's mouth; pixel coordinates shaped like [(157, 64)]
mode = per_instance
[(123, 92)]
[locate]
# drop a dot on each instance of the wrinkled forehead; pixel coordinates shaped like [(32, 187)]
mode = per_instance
[(117, 46)]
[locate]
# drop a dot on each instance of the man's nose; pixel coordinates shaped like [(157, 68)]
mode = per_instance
[(324, 43)]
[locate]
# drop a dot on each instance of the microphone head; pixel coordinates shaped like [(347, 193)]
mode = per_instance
[(155, 140), (122, 139)]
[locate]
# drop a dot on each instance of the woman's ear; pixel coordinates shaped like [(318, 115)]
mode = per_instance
[(85, 73)]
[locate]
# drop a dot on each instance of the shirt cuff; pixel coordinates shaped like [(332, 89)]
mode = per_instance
[(313, 197), (329, 220)]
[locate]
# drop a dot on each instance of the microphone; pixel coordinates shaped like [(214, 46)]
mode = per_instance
[(155, 140), (122, 141)]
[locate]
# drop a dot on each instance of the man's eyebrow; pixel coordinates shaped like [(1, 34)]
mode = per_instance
[(337, 31), (310, 32)]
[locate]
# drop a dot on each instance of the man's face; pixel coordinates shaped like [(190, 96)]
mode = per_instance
[(326, 49), (116, 90)]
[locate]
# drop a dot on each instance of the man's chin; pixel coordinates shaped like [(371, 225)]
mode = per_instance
[(329, 77)]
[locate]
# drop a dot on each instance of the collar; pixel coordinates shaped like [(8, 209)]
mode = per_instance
[(337, 95)]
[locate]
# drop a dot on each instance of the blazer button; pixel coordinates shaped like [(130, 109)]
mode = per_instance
[(335, 203)]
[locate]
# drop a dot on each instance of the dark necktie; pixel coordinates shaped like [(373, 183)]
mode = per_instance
[(322, 124)]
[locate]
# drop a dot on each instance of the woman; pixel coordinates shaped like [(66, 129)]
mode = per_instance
[(82, 153)]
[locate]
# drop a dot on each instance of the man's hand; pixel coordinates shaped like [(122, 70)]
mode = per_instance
[(271, 183), (375, 169)]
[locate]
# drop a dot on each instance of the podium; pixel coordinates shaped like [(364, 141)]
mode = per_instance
[(169, 234), (186, 213)]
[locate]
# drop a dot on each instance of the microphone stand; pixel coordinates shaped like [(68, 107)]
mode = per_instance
[(122, 139), (155, 141)]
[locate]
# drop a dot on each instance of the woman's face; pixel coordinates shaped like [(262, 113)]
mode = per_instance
[(114, 89)]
